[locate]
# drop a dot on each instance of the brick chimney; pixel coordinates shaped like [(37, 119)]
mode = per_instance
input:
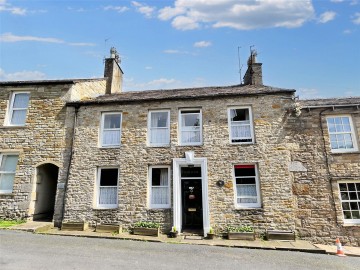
[(113, 73), (253, 75)]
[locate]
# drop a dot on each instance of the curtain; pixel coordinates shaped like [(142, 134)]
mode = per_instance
[(21, 101), (111, 137), (240, 130), (159, 131), (160, 194), (18, 117), (108, 195), (246, 193)]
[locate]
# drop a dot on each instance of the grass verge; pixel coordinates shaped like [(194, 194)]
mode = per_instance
[(9, 223)]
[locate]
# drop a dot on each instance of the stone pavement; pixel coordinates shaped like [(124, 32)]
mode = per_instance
[(298, 245)]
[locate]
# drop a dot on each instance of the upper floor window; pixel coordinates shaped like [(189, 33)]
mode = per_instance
[(350, 201), (107, 188), (341, 132), (8, 164), (19, 103), (159, 128), (190, 127), (110, 129), (159, 187), (247, 186), (240, 125)]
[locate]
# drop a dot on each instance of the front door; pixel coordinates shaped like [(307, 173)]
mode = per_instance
[(192, 210)]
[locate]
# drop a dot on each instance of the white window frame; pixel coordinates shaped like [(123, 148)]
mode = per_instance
[(11, 109), (258, 196), (150, 128), (103, 114), (352, 133), (230, 124), (8, 172), (158, 206), (180, 130), (348, 221), (97, 197)]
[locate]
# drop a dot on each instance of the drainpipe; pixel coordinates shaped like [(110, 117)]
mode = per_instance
[(327, 162), (77, 106)]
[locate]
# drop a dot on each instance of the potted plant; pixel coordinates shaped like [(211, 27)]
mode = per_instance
[(243, 232), (146, 228), (173, 233), (210, 234)]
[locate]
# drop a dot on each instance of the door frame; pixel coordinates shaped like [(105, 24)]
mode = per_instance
[(177, 206)]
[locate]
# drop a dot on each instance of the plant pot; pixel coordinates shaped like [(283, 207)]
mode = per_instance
[(173, 234), (108, 228), (210, 236), (146, 231), (280, 235), (74, 226), (249, 236)]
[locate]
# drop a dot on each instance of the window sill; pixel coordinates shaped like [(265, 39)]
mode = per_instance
[(159, 146), (13, 127), (109, 147), (184, 145), (159, 208), (351, 224), (106, 208), (345, 152), (248, 208), (244, 143)]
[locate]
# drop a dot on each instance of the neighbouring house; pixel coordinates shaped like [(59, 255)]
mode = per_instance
[(84, 150)]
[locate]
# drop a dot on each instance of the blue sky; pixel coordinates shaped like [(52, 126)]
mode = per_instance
[(310, 46)]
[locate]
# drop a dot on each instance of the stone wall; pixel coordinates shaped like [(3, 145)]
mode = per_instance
[(318, 208), (134, 157)]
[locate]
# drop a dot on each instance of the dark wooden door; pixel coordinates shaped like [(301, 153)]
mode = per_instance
[(192, 217)]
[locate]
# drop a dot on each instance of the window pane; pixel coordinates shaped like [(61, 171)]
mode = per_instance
[(246, 190), (18, 117), (342, 187), (6, 181), (351, 186), (190, 120), (159, 136), (108, 177), (9, 163), (239, 114), (190, 171), (159, 119), (344, 196), (354, 206), (347, 214), (346, 206), (247, 200), (353, 196), (108, 195), (332, 128), (355, 214), (245, 171), (21, 100), (190, 136), (111, 137), (357, 185), (112, 121), (160, 195), (245, 181), (159, 177), (345, 120)]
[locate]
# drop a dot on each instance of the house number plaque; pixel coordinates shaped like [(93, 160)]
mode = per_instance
[(191, 209)]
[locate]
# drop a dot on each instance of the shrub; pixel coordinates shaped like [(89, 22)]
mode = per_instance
[(242, 228), (146, 224)]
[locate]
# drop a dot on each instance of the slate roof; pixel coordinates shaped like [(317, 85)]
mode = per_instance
[(330, 102), (189, 93)]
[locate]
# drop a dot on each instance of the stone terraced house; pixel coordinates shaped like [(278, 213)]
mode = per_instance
[(249, 154)]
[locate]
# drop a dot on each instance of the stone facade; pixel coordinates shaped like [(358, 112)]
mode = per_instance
[(318, 209), (44, 139)]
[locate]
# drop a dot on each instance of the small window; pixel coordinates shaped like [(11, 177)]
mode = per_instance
[(190, 127), (8, 164), (350, 201), (247, 186), (111, 129), (159, 128), (107, 195), (159, 187), (341, 132), (18, 108), (240, 125)]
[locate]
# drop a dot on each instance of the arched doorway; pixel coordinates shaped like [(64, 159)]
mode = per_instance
[(46, 184)]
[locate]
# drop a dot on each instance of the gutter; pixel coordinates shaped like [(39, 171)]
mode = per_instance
[(332, 106)]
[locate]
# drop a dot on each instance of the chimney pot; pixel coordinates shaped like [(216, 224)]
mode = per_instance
[(113, 73)]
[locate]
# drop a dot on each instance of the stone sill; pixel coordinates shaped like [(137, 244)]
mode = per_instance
[(344, 153), (351, 225), (106, 209), (13, 127), (250, 208), (109, 147)]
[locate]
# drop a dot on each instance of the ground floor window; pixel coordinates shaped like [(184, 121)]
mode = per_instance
[(107, 193), (159, 187), (8, 164), (247, 188), (350, 200)]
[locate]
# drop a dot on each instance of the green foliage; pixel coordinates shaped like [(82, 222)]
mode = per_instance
[(242, 228), (146, 224), (211, 230), (9, 223), (173, 229)]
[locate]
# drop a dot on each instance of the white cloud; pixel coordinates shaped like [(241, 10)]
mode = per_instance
[(171, 51), (337, 1), (119, 9), (5, 7), (162, 83), (143, 9), (347, 31), (202, 44), (308, 93), (242, 15), (9, 37), (21, 75), (148, 68), (327, 17), (356, 17)]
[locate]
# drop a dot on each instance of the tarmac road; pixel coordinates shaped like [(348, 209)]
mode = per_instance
[(22, 251)]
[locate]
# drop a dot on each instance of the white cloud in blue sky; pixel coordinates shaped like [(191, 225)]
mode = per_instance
[(327, 16), (6, 7)]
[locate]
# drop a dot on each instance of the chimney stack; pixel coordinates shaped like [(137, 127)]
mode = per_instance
[(113, 73), (253, 75)]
